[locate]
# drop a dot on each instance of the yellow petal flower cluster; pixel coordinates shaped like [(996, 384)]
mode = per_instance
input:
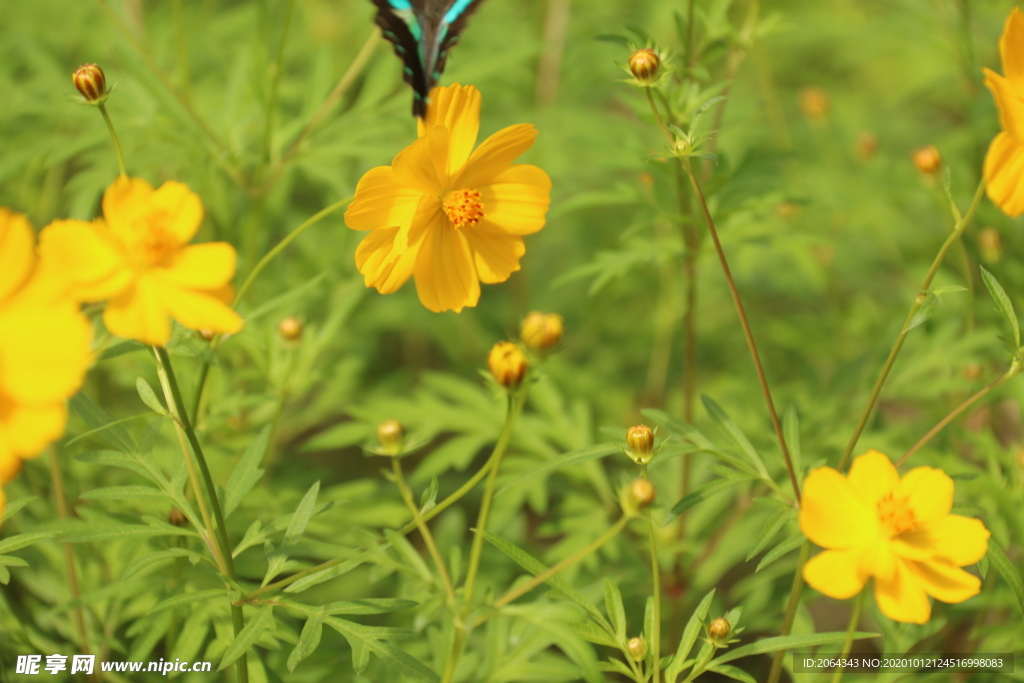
[(873, 523), (447, 215), (44, 350), (137, 258), (1004, 163)]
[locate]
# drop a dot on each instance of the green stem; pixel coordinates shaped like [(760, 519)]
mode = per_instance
[(113, 136), (791, 605), (177, 408), (69, 552), (657, 116), (922, 296), (1014, 370), (524, 588), (428, 538), (275, 77), (858, 605), (656, 580)]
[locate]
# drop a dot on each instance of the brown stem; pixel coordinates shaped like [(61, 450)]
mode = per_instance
[(791, 605)]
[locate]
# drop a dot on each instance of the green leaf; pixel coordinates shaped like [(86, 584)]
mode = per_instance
[(309, 640), (535, 566), (101, 423), (429, 497), (926, 311), (787, 643), (616, 611), (188, 598), (22, 540), (690, 634), (998, 559), (149, 397), (732, 672), (192, 635), (15, 506), (121, 349), (593, 633), (254, 628), (125, 461), (120, 492), (247, 472), (397, 659), (568, 460), (409, 554), (297, 525), (324, 575), (677, 426), (12, 561), (791, 432), (124, 531), (1003, 304), (738, 437), (789, 545), (368, 606), (771, 527), (700, 494), (151, 558)]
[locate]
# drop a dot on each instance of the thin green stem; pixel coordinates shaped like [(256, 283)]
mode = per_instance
[(922, 296), (791, 605), (69, 553), (1014, 370), (657, 115), (275, 78), (177, 408), (428, 538), (524, 588), (458, 641), (745, 324), (113, 137), (858, 605), (656, 581)]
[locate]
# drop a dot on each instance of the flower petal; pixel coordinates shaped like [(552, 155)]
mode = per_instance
[(495, 252), (381, 267), (1009, 101), (1010, 48), (458, 109), (200, 266), (836, 573), (199, 310), (44, 353), (138, 313), (31, 427), (17, 251), (517, 199), (381, 201), (873, 475), (903, 597), (495, 154), (879, 560), (130, 205), (832, 514), (960, 540), (944, 581), (423, 165), (84, 255), (446, 278), (1004, 174), (929, 492)]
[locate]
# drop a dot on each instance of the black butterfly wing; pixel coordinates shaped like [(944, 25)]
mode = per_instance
[(451, 36), (396, 29)]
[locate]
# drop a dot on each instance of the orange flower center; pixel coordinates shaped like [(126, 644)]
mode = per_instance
[(895, 514), (155, 243), (464, 207)]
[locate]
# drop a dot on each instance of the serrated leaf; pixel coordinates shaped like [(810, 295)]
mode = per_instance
[(149, 396), (998, 559), (254, 628), (616, 611), (1003, 304), (717, 414), (787, 643), (393, 657), (689, 637), (771, 527), (787, 546), (700, 494), (309, 640), (102, 423), (247, 472)]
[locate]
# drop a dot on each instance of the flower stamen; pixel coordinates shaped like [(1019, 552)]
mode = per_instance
[(895, 514), (464, 207)]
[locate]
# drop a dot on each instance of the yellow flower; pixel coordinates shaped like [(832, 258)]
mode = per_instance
[(1004, 163), (137, 258), (507, 364), (44, 350), (899, 531), (445, 214)]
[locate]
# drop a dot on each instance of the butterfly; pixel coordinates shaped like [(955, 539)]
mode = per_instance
[(423, 31)]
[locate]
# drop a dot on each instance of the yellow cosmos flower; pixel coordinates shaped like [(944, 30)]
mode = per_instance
[(44, 350), (899, 531), (1004, 163), (447, 215), (137, 258)]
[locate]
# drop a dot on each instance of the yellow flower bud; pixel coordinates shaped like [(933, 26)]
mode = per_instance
[(391, 436), (290, 328), (641, 493), (507, 364), (643, 64), (814, 103), (208, 335), (176, 517), (719, 629), (541, 331), (640, 440), (91, 82), (990, 245), (927, 159), (637, 649)]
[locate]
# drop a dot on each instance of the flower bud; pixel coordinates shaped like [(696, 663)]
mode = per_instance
[(640, 440), (507, 364), (719, 629), (208, 335), (541, 331), (637, 649), (927, 159), (391, 436), (91, 82), (990, 245), (814, 103), (643, 64), (641, 493), (177, 518), (290, 328)]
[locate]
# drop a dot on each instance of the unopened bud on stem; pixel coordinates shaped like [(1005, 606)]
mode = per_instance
[(507, 364), (541, 331), (637, 649), (644, 64), (391, 436), (290, 328), (91, 82), (640, 439)]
